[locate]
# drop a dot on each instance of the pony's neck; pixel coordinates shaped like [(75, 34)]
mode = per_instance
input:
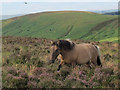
[(63, 53)]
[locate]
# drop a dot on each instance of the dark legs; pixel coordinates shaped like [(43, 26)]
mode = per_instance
[(99, 62), (59, 67), (61, 63), (88, 64)]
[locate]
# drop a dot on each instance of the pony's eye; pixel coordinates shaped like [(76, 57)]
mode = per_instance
[(56, 49)]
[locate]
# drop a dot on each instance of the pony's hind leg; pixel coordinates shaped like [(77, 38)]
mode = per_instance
[(94, 62), (99, 61), (88, 64)]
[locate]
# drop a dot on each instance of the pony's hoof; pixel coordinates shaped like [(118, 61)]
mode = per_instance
[(58, 71)]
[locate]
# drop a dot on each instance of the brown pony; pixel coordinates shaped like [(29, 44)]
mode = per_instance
[(72, 53)]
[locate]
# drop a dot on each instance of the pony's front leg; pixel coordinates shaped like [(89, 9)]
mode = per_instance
[(61, 63)]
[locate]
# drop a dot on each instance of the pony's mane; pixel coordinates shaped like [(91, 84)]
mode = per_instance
[(69, 40), (66, 44)]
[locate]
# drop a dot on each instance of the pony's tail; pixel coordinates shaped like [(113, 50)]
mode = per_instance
[(98, 57)]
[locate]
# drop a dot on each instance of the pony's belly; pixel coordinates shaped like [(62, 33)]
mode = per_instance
[(68, 61), (83, 60)]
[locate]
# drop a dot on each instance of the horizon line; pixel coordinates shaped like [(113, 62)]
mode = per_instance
[(92, 11)]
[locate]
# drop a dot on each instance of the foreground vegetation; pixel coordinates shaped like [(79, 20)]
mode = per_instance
[(25, 65), (64, 24)]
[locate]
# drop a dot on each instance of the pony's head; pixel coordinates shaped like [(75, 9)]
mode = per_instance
[(54, 51), (58, 46)]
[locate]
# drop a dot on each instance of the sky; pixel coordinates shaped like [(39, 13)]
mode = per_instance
[(59, 0), (13, 7)]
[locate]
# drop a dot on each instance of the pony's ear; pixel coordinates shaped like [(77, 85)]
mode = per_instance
[(55, 43)]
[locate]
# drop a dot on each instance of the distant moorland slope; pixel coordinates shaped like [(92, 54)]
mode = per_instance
[(64, 24)]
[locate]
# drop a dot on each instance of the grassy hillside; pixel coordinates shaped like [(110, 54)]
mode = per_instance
[(63, 24)]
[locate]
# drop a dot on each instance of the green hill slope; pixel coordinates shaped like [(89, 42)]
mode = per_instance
[(63, 24)]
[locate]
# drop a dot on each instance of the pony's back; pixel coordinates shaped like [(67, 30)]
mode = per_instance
[(85, 53)]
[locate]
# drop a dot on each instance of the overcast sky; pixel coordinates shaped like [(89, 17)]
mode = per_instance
[(59, 0), (13, 7)]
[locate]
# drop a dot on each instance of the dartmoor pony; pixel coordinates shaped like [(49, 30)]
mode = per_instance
[(72, 53)]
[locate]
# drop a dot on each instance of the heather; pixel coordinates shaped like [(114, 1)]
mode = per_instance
[(25, 65)]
